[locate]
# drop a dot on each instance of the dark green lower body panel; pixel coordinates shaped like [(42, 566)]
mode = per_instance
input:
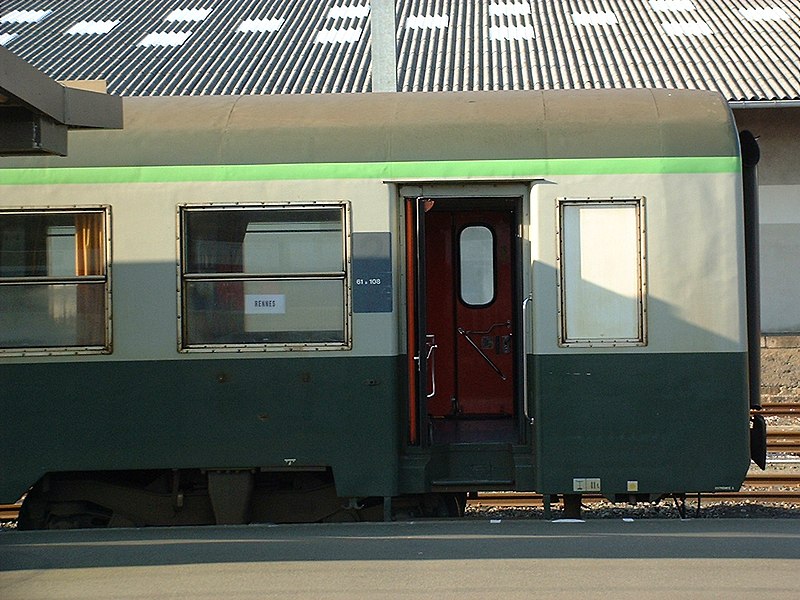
[(256, 412), (634, 423), (640, 423)]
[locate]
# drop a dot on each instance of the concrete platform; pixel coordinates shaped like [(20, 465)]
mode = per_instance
[(443, 559)]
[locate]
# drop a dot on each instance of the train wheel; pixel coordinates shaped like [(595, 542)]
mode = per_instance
[(457, 505), (37, 512), (31, 516), (444, 505)]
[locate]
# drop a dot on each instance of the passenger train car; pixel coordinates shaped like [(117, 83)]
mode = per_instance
[(310, 308)]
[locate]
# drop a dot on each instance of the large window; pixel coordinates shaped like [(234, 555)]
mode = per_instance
[(54, 284), (602, 279), (256, 277)]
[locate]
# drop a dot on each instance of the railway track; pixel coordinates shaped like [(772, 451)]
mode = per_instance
[(525, 500), (779, 408), (779, 440), (9, 512), (783, 439)]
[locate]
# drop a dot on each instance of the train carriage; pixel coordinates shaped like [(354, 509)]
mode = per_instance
[(313, 308)]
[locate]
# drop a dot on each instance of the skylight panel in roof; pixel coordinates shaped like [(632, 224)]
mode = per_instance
[(356, 11), (260, 25), (427, 21), (165, 38), (594, 18), (764, 14), (509, 9), (91, 27), (188, 14), (338, 36), (24, 16), (6, 37), (687, 29), (511, 32), (672, 5)]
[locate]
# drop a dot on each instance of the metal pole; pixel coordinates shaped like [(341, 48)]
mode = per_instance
[(384, 46)]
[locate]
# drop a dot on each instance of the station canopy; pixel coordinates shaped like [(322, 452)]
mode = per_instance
[(36, 112)]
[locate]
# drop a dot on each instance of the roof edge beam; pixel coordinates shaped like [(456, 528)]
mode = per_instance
[(91, 109), (744, 104)]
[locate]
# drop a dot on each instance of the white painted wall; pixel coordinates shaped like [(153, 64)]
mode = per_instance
[(778, 132)]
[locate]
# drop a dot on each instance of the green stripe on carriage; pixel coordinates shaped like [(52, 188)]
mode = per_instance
[(371, 170)]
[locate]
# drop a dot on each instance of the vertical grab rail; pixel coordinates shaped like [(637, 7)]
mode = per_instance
[(525, 408), (431, 341)]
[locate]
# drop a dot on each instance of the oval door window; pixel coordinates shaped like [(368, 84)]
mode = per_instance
[(476, 250)]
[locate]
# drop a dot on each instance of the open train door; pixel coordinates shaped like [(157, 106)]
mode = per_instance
[(465, 335)]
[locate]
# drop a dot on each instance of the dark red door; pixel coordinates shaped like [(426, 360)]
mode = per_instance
[(468, 308)]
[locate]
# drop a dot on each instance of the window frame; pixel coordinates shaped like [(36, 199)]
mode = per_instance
[(493, 238), (183, 276), (77, 349), (564, 338)]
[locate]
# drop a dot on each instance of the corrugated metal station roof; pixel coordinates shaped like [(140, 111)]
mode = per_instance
[(749, 50)]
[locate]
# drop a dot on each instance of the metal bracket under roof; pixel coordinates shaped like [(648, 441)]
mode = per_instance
[(36, 112)]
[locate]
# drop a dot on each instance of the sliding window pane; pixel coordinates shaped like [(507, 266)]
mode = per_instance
[(275, 241), (51, 245), (52, 316), (265, 312)]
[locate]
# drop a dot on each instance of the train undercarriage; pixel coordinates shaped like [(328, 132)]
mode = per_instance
[(196, 497)]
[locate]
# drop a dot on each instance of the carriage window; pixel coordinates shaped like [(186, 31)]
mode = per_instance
[(54, 285), (602, 277), (476, 262), (262, 277)]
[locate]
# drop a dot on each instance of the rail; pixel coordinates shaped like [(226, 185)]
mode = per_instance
[(9, 512), (769, 409), (783, 439)]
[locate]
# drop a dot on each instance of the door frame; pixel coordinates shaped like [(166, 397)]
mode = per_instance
[(512, 197)]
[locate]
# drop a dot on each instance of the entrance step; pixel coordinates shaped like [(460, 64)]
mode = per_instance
[(468, 467), (471, 465), (476, 429)]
